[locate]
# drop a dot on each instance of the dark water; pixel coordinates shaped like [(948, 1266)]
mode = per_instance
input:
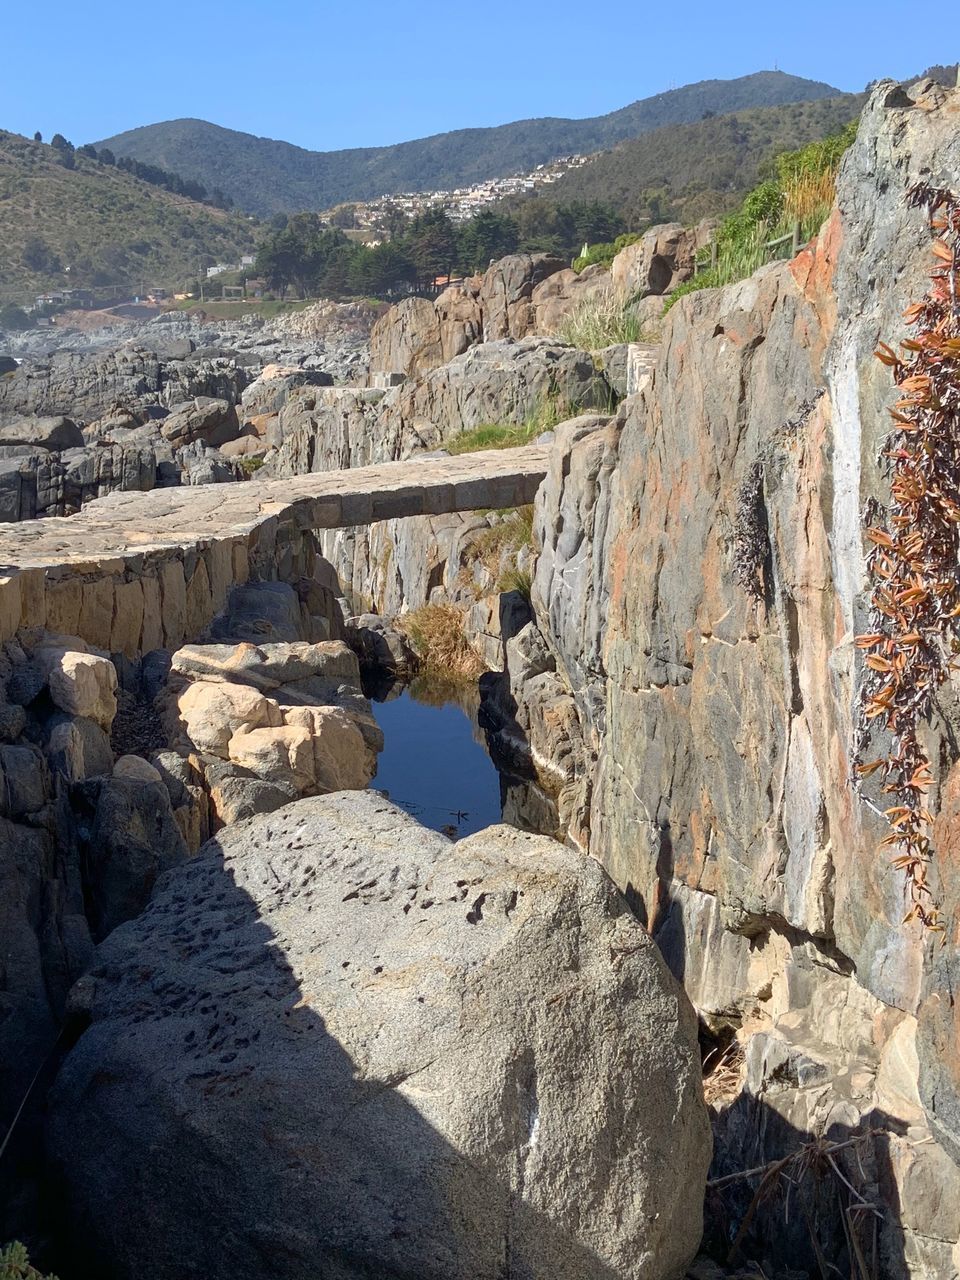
[(434, 763)]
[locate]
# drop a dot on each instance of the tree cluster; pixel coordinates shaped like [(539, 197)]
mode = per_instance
[(305, 254), (151, 173)]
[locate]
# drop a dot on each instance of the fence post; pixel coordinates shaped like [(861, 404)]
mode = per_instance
[(796, 239), (713, 252)]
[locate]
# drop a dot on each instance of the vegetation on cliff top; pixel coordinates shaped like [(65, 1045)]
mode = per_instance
[(104, 224), (800, 195), (15, 1264), (305, 254), (265, 176)]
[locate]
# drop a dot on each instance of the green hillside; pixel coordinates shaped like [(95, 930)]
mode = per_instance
[(266, 176), (690, 171), (108, 227)]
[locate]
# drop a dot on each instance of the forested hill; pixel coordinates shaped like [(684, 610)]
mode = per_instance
[(68, 219), (689, 171), (264, 176)]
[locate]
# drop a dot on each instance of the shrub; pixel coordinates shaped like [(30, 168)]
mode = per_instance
[(436, 633), (802, 193), (14, 317), (601, 321), (15, 1264), (604, 252)]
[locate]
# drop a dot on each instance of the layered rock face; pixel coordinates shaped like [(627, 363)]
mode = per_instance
[(716, 728), (378, 1053)]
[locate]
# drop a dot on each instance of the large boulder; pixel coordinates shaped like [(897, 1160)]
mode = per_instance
[(53, 433), (507, 290), (206, 418), (362, 1051), (661, 259), (417, 335)]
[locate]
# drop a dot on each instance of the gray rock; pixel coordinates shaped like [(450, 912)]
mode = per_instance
[(128, 836), (55, 433), (379, 1054), (77, 748), (267, 666), (205, 418), (24, 781), (260, 612)]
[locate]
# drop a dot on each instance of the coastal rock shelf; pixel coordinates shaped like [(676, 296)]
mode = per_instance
[(136, 571)]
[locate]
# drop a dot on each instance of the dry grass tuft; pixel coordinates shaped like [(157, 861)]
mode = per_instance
[(436, 632)]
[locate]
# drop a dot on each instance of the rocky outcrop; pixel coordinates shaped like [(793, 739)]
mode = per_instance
[(86, 385), (496, 382), (418, 335), (713, 729), (287, 715), (661, 259), (526, 295), (380, 1053)]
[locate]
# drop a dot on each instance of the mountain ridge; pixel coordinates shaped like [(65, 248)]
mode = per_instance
[(267, 176)]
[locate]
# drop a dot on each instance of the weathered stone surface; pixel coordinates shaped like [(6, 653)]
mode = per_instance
[(212, 712), (129, 837), (55, 433), (661, 259), (494, 382), (507, 290), (383, 1054), (205, 418), (267, 666), (82, 684), (417, 335), (77, 748), (90, 384), (712, 732)]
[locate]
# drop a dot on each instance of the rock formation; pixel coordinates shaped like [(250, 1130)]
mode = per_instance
[(710, 754), (380, 1054)]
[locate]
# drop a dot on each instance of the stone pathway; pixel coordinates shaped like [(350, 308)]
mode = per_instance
[(135, 571), (135, 523)]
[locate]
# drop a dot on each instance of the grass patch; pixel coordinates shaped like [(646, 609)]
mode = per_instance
[(494, 435), (603, 253), (269, 308), (509, 535), (520, 580), (602, 321), (436, 633), (511, 435), (250, 465)]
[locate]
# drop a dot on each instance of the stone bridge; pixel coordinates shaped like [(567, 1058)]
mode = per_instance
[(137, 571)]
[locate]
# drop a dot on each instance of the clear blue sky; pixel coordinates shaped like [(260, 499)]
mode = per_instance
[(342, 74)]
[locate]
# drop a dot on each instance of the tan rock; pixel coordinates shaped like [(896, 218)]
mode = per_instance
[(83, 684), (283, 754), (137, 768), (127, 623), (341, 758), (212, 714), (151, 637)]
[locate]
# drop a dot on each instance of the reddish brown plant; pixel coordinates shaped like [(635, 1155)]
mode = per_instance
[(914, 559)]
